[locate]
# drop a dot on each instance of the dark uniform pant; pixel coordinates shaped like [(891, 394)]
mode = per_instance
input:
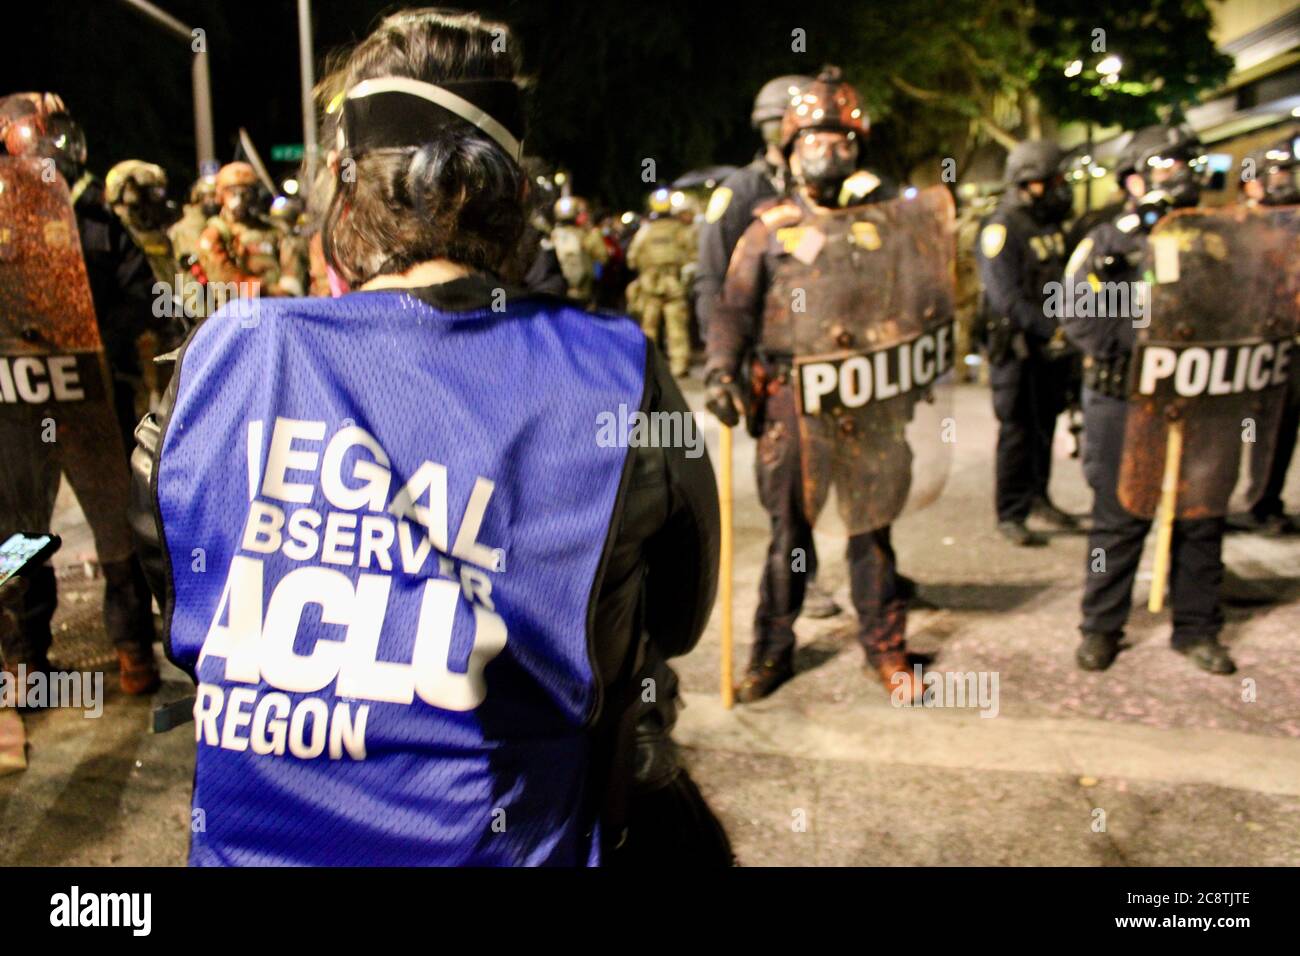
[(1115, 542), (29, 484), (1270, 503), (1028, 395), (873, 577)]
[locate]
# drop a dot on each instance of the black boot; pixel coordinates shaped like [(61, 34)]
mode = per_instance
[(818, 603), (1048, 513), (1019, 535), (1208, 655), (1097, 651)]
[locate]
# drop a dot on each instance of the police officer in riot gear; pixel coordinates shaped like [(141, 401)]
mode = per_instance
[(728, 215), (1156, 171), (821, 140), (38, 125), (1274, 180), (1021, 251)]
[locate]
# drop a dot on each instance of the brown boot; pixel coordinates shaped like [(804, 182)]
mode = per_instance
[(899, 678), (139, 670), (760, 681)]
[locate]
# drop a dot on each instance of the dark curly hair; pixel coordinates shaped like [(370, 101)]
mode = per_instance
[(457, 195)]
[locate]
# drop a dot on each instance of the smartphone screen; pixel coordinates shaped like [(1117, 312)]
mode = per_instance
[(19, 550)]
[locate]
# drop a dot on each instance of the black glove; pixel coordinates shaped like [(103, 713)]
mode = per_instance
[(725, 399)]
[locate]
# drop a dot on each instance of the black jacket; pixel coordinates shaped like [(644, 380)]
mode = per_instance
[(1106, 262), (1017, 257), (728, 216)]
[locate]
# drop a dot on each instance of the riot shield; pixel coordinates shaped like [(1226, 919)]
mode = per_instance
[(56, 413), (1214, 358), (873, 361)]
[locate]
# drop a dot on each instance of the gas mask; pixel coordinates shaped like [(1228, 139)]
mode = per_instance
[(65, 143), (146, 207), (826, 159), (1055, 204), (238, 203), (1282, 187), (1171, 184)]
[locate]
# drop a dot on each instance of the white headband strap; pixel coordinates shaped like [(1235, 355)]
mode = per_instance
[(447, 100)]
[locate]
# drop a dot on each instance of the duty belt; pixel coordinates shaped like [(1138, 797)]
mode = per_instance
[(1107, 376), (778, 364)]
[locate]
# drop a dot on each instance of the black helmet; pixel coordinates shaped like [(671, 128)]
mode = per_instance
[(1277, 167), (1039, 160), (1153, 143), (774, 97), (1034, 159), (1151, 149)]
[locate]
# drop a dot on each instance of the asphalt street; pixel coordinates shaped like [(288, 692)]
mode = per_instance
[(1151, 763)]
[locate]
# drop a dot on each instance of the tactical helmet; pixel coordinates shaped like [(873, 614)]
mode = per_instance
[(38, 124), (145, 177), (235, 174), (1031, 160), (661, 202), (204, 189), (826, 103), (774, 97), (1277, 168), (566, 209), (1156, 142), (286, 211)]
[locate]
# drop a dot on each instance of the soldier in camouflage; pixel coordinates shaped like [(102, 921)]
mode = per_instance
[(186, 232), (659, 252), (578, 246), (237, 247)]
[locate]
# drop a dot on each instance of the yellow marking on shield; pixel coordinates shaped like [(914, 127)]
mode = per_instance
[(866, 235), (789, 237)]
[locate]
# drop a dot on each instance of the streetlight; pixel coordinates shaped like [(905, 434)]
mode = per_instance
[(203, 136)]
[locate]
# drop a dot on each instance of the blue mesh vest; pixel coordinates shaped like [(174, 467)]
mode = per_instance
[(384, 524)]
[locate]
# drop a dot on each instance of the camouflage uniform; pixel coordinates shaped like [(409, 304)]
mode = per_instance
[(237, 247), (579, 249), (659, 251), (186, 231)]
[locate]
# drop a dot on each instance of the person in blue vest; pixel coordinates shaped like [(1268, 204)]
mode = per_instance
[(414, 542)]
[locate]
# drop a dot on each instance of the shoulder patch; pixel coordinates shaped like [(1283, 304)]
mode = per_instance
[(782, 214), (992, 239), (718, 204), (1079, 257), (858, 186)]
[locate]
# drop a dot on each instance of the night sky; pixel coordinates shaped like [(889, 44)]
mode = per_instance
[(615, 82)]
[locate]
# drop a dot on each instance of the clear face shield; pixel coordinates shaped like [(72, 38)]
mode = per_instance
[(1174, 181), (826, 159)]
